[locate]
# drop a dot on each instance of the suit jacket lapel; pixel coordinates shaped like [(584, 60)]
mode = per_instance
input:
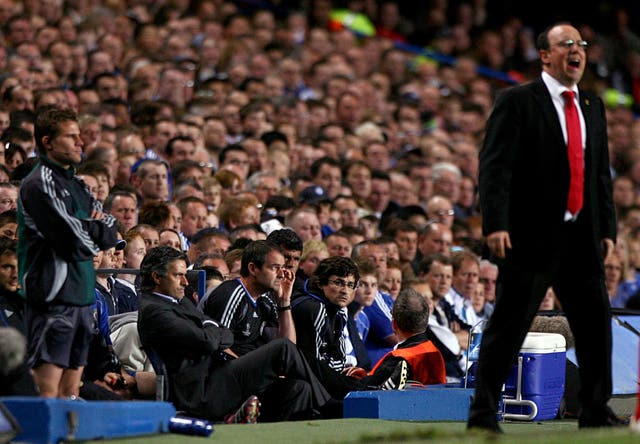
[(587, 113), (545, 105)]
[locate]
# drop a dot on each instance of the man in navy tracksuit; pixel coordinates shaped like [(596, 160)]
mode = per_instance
[(61, 228)]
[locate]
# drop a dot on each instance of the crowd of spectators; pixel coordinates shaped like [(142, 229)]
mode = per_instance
[(209, 124)]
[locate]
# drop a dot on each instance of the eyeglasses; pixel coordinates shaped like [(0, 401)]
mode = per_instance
[(445, 212), (341, 283), (570, 43)]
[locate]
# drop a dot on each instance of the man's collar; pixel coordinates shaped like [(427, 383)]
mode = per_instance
[(70, 172), (167, 297), (417, 337), (556, 88), (246, 287)]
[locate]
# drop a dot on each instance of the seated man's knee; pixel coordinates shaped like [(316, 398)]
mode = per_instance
[(282, 343)]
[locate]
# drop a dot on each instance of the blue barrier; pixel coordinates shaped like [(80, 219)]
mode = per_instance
[(413, 404), (53, 420)]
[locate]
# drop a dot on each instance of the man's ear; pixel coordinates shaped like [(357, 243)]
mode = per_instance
[(46, 142), (544, 56), (156, 277)]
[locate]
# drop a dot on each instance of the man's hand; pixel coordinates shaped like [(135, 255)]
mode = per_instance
[(286, 287), (607, 247), (230, 353), (121, 384), (97, 215), (498, 242), (354, 372)]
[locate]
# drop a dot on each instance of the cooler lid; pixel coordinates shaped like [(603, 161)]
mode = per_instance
[(543, 343)]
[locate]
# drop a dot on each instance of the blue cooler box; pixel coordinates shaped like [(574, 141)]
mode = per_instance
[(543, 375)]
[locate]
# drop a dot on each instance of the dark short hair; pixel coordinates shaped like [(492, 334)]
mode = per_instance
[(168, 149), (395, 226), (411, 311), (8, 246), (210, 273), (94, 168), (240, 243), (207, 233), (227, 149), (542, 42), (256, 252), (427, 262), (197, 264), (13, 133), (154, 213), (335, 266), (353, 163), (48, 124), (13, 149), (286, 238), (185, 201), (234, 234), (157, 260), (183, 167), (316, 165), (271, 136), (22, 170), (7, 217), (380, 175)]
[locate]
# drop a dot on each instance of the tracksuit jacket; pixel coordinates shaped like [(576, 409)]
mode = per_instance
[(57, 239)]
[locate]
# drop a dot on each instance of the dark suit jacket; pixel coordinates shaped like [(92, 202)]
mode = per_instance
[(524, 178), (189, 347)]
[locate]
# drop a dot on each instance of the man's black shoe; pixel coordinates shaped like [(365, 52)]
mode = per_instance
[(398, 378), (489, 431), (482, 420), (484, 427), (607, 419)]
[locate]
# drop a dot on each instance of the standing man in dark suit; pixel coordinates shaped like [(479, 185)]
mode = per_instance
[(548, 217)]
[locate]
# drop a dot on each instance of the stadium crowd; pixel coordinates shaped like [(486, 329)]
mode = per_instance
[(322, 175)]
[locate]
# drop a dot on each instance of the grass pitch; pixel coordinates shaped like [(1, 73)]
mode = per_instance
[(373, 431)]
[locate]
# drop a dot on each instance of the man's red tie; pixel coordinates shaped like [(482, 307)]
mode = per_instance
[(574, 151)]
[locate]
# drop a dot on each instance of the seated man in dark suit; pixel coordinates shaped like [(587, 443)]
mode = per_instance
[(204, 380)]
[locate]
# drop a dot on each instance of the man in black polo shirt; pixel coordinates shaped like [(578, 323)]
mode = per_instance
[(256, 306)]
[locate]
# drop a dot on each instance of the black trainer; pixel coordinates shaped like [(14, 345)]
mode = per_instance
[(606, 419), (398, 378)]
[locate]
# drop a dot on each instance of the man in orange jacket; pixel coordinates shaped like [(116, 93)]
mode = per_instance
[(410, 318)]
